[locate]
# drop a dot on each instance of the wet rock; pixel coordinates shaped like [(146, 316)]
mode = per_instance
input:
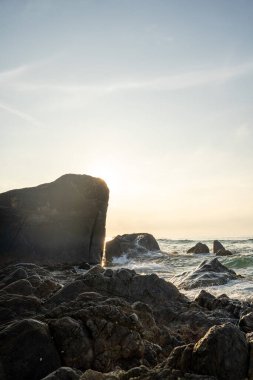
[(130, 244), (58, 222), (72, 342), (208, 273), (217, 246), (223, 252), (222, 352), (27, 351), (199, 248), (219, 249), (63, 373)]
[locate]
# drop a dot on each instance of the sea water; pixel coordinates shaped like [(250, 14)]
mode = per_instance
[(173, 260)]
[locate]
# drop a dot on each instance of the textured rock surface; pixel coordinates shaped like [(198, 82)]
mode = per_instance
[(208, 273), (130, 244), (61, 221), (199, 248), (222, 352), (27, 351), (117, 325), (219, 249)]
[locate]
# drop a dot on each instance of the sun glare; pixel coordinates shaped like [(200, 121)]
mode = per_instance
[(109, 174)]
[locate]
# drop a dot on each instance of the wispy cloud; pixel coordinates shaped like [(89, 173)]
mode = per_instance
[(172, 82), (22, 115)]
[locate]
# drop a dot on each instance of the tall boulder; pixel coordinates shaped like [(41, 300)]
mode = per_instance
[(61, 221)]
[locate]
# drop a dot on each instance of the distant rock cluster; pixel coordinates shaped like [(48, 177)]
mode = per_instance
[(218, 249)]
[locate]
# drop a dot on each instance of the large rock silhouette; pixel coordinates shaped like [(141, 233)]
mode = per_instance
[(58, 222)]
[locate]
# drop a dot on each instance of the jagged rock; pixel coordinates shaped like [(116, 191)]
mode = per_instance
[(73, 342), (208, 273), (219, 249), (63, 373), (130, 244), (27, 351), (199, 248), (246, 322), (222, 352), (223, 252), (217, 246), (124, 283), (61, 221)]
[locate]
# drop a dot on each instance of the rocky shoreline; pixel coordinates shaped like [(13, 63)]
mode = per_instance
[(58, 323)]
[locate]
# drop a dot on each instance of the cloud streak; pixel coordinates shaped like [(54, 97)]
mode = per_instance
[(173, 82), (22, 115)]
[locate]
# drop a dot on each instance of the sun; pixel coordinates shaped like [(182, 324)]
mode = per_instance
[(109, 174)]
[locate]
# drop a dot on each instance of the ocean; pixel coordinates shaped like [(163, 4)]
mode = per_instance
[(173, 261)]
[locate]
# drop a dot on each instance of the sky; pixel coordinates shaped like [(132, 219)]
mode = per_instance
[(153, 96)]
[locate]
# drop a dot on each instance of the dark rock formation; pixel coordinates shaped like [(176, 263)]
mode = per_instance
[(27, 351), (208, 273), (130, 243), (217, 246), (222, 352), (62, 221), (219, 249), (124, 283), (199, 248), (117, 325)]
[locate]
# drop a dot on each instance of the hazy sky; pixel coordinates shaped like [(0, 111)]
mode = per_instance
[(154, 96)]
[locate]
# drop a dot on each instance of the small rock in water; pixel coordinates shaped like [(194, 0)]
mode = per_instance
[(199, 248), (219, 249)]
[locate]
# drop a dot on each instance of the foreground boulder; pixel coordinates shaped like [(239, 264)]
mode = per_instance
[(199, 248), (130, 244), (61, 221), (222, 352), (27, 351), (208, 273)]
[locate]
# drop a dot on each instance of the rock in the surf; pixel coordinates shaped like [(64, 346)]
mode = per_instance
[(199, 248), (208, 273), (219, 249), (58, 222), (130, 244)]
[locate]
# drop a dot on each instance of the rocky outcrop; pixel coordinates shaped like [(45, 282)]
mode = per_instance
[(58, 222), (219, 249), (27, 351), (199, 248), (208, 273), (117, 325), (130, 244)]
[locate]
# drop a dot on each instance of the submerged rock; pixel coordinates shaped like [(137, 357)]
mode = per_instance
[(63, 373), (61, 221), (130, 243), (199, 248), (208, 273)]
